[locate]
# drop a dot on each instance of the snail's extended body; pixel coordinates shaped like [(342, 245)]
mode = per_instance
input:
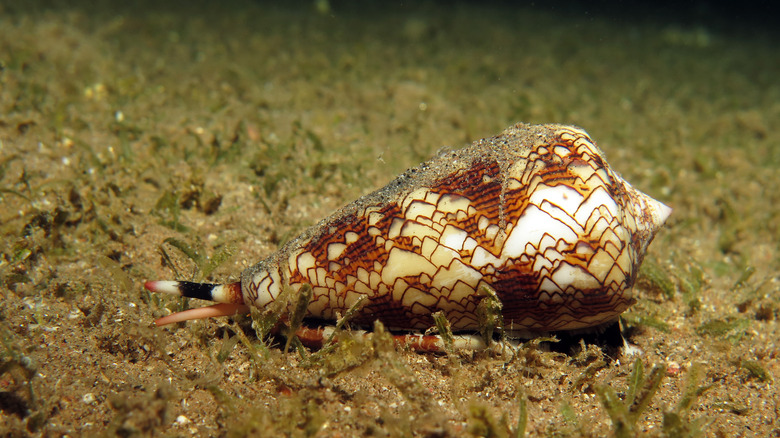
[(534, 213)]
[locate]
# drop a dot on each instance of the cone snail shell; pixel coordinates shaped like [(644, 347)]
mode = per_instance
[(535, 213)]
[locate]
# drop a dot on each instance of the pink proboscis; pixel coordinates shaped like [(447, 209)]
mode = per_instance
[(221, 309)]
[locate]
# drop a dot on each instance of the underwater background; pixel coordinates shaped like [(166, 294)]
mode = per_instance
[(191, 139)]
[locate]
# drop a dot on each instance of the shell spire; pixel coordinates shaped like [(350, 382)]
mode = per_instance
[(649, 216), (535, 214)]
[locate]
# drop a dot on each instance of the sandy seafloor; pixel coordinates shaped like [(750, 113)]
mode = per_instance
[(232, 127)]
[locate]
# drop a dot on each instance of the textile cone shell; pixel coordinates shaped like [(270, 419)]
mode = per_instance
[(535, 214)]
